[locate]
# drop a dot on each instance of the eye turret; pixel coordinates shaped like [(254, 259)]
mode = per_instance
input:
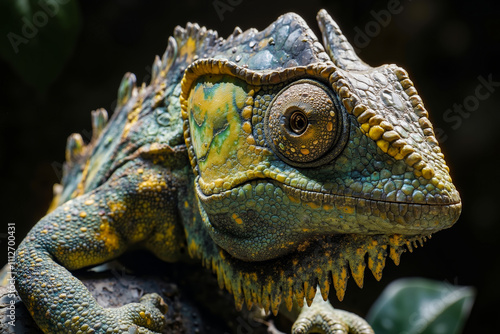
[(304, 125)]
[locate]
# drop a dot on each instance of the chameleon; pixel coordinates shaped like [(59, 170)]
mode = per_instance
[(284, 164)]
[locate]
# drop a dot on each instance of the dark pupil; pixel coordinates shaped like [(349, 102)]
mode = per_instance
[(298, 122)]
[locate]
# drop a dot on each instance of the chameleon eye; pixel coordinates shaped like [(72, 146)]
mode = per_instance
[(298, 122), (303, 124)]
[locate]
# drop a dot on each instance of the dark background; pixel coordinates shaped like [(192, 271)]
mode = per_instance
[(444, 45)]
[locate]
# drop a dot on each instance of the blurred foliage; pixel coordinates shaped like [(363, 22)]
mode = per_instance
[(417, 305), (40, 36)]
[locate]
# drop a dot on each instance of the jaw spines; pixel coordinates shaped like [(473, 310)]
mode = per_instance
[(396, 244), (330, 261), (276, 299), (340, 277), (310, 286), (376, 260), (324, 283), (357, 265), (414, 242)]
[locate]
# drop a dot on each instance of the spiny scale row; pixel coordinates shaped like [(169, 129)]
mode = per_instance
[(297, 279), (75, 146)]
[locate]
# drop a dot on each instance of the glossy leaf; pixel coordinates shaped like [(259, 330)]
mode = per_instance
[(422, 306), (38, 37)]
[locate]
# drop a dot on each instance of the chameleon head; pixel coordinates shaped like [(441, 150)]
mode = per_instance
[(286, 156)]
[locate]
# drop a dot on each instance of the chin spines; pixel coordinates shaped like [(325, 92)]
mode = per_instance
[(295, 278)]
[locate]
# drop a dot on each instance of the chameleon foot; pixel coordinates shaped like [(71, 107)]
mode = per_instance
[(145, 317), (321, 317)]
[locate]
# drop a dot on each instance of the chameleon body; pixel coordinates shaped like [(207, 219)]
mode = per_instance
[(284, 164)]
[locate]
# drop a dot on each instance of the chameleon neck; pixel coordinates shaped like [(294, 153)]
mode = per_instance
[(326, 261)]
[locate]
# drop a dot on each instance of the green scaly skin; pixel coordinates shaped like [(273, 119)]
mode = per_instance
[(280, 162)]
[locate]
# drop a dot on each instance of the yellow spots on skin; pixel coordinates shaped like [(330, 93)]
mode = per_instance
[(250, 140), (318, 271), (428, 173), (265, 42), (313, 205), (246, 113), (193, 248), (117, 209), (293, 199), (83, 229), (186, 204), (108, 235), (166, 237), (303, 246), (347, 209), (83, 214), (280, 178), (393, 151), (188, 49), (152, 183), (90, 201), (160, 92), (329, 126), (43, 231), (140, 171), (376, 132), (132, 117), (219, 182), (237, 219), (365, 127), (304, 151), (327, 207), (384, 145), (247, 127)]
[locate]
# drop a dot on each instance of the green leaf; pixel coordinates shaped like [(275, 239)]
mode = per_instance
[(37, 37), (417, 305)]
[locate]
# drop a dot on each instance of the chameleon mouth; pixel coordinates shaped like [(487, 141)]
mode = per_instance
[(402, 217), (445, 199)]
